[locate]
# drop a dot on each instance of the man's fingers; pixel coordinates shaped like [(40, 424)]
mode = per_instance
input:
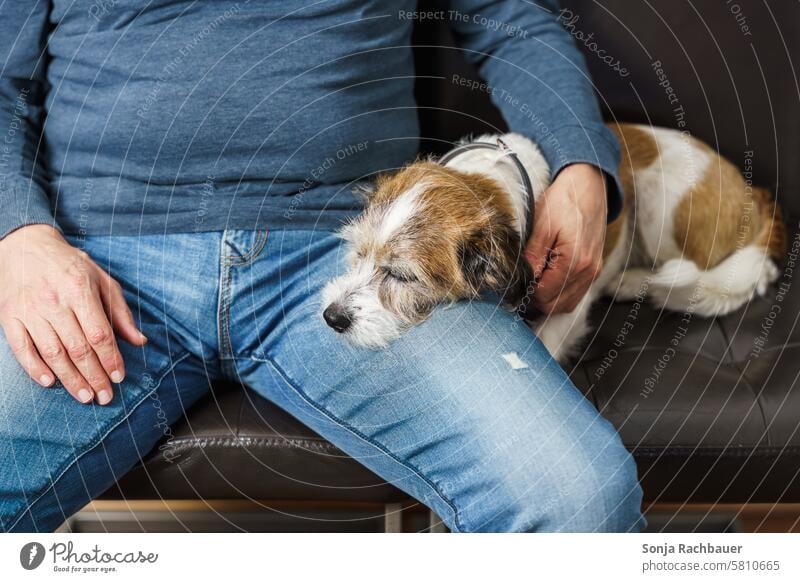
[(119, 314), (54, 354), (555, 279), (537, 253), (540, 244), (569, 298), (562, 286), (548, 288), (25, 352), (82, 354), (100, 336)]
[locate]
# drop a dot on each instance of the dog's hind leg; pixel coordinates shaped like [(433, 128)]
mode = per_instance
[(679, 284)]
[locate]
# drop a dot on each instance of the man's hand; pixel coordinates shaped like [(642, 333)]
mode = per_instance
[(57, 308), (565, 250)]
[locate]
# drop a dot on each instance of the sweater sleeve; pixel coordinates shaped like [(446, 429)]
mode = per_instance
[(23, 35), (539, 82)]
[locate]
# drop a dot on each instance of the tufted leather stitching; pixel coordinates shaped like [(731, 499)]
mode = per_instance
[(757, 397), (652, 348)]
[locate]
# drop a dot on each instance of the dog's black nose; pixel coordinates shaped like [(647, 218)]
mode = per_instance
[(337, 317)]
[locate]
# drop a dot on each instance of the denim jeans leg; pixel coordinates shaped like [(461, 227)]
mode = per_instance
[(440, 413), (55, 453)]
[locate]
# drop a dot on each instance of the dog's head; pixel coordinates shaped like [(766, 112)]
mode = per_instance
[(429, 235)]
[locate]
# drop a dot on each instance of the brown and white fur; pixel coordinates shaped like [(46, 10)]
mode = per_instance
[(693, 236)]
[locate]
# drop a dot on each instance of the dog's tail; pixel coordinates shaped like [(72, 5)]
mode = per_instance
[(681, 285)]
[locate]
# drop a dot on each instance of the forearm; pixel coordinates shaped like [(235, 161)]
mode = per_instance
[(539, 81), (23, 198), (22, 195)]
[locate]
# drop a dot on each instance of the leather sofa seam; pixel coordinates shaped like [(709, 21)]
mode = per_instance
[(186, 444)]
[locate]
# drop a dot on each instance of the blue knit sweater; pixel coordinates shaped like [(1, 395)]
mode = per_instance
[(124, 116)]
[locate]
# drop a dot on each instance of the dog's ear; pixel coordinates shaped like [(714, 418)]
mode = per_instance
[(364, 191), (493, 258)]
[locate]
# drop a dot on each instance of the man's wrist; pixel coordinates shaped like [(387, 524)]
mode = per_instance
[(582, 171), (37, 230), (583, 179)]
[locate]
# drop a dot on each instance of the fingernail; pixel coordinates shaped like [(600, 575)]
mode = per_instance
[(143, 337), (45, 380), (84, 395), (116, 376), (104, 397)]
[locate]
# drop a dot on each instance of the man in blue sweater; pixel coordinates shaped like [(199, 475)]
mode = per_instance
[(171, 176)]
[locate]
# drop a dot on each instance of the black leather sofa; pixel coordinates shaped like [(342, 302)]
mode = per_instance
[(710, 408)]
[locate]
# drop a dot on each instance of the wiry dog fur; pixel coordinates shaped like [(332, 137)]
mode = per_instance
[(432, 234)]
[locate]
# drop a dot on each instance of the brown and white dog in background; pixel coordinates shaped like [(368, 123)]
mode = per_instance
[(693, 235)]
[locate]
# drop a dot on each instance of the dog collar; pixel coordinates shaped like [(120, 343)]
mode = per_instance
[(500, 146)]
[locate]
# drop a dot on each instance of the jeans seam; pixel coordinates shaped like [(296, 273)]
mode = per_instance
[(96, 441), (226, 346), (227, 263), (255, 250), (372, 442)]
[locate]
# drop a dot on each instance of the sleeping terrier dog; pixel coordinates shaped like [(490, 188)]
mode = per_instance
[(693, 235)]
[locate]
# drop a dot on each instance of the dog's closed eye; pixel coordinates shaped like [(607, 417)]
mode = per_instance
[(400, 275)]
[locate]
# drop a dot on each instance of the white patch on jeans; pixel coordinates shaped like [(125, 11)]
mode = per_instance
[(514, 361)]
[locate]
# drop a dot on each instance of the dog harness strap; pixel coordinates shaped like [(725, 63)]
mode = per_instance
[(501, 146)]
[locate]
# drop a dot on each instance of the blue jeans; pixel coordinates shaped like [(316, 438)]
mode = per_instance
[(440, 414)]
